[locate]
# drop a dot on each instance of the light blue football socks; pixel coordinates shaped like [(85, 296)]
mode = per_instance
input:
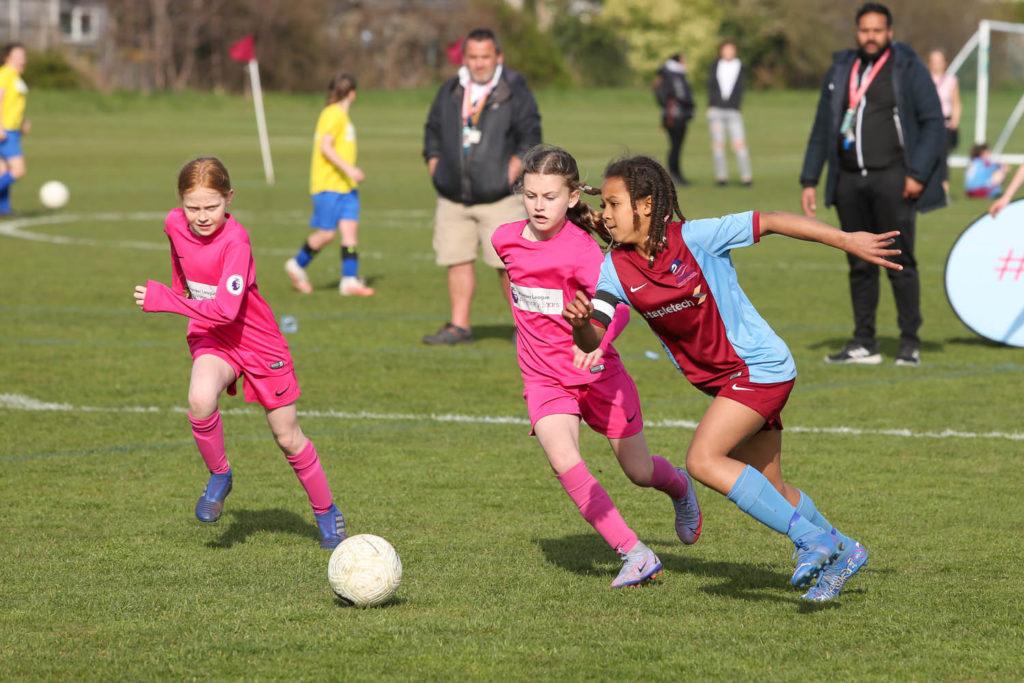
[(754, 494), (808, 511)]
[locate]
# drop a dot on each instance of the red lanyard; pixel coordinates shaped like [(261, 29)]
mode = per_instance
[(857, 94)]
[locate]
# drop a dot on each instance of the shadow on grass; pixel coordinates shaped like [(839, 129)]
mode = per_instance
[(393, 602), (370, 281), (245, 523), (889, 346), (975, 341), (503, 332), (586, 553)]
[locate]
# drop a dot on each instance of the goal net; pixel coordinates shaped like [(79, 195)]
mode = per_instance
[(990, 68)]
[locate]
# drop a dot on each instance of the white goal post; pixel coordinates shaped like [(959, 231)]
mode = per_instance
[(982, 42)]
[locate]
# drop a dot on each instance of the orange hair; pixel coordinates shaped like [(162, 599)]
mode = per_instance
[(205, 172)]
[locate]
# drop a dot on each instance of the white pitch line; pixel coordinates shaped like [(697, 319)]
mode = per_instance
[(18, 229), (27, 403)]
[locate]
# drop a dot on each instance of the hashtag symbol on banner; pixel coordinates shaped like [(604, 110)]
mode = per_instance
[(1010, 265)]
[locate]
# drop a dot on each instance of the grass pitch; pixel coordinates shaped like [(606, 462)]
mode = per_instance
[(107, 575)]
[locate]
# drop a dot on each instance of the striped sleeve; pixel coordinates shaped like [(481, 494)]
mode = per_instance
[(609, 293)]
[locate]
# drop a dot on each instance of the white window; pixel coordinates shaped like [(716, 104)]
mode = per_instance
[(80, 24)]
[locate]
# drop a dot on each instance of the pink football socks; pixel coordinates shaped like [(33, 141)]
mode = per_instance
[(209, 436), (665, 478), (597, 508), (310, 472)]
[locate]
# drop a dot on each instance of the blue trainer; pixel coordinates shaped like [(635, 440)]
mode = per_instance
[(835, 576), (689, 519), (332, 528), (814, 551), (211, 503)]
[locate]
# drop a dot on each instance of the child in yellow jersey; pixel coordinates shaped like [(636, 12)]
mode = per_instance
[(12, 121), (333, 179)]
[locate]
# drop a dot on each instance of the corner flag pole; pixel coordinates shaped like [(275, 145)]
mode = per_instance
[(261, 120)]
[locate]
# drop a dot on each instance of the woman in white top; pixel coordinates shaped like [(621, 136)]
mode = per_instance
[(949, 95)]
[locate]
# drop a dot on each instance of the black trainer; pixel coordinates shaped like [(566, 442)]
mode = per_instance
[(449, 334), (854, 353), (909, 355)]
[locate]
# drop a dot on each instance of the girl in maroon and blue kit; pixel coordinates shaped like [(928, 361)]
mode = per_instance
[(680, 277)]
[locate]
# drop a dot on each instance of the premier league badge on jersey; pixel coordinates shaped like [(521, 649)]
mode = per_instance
[(985, 276)]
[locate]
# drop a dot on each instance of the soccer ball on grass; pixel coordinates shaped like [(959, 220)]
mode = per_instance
[(54, 194), (364, 570)]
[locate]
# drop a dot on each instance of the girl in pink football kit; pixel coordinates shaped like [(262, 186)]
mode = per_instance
[(231, 333), (549, 257)]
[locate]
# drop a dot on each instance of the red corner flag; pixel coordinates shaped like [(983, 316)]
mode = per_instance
[(244, 49), (454, 52)]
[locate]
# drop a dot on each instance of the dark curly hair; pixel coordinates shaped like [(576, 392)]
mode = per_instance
[(551, 160), (645, 177)]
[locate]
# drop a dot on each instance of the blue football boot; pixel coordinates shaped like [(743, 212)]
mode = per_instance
[(332, 528), (833, 577), (689, 519), (814, 551), (211, 503)]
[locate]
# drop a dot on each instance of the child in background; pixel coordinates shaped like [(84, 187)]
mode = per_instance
[(231, 333), (680, 277), (13, 123), (333, 182), (549, 257), (984, 177)]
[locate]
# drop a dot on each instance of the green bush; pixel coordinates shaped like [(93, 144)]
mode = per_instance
[(596, 54), (531, 51), (50, 70)]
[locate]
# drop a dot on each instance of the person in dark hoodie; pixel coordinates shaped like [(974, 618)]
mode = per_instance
[(480, 126), (879, 125), (725, 95), (675, 97)]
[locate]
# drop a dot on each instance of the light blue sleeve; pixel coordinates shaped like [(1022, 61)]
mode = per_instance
[(608, 280), (720, 235)]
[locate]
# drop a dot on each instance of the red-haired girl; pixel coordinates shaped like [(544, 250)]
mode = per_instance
[(232, 333)]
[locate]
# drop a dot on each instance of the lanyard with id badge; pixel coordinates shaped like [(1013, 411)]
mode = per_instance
[(856, 95), (471, 135)]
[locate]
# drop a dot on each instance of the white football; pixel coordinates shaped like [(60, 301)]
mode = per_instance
[(54, 194), (364, 570)]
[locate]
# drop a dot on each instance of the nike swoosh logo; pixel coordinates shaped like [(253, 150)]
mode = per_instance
[(637, 289), (280, 393), (630, 419), (736, 387)]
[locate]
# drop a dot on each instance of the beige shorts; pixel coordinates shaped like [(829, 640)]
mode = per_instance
[(461, 231)]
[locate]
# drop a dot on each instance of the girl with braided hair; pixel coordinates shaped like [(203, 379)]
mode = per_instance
[(549, 258), (679, 276)]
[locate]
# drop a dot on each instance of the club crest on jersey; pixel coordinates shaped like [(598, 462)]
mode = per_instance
[(682, 273), (235, 285)]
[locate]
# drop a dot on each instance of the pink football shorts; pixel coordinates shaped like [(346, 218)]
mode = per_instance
[(610, 405), (767, 400), (273, 391)]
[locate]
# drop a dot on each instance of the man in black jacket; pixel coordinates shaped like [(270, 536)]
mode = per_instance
[(880, 127), (480, 125), (675, 97)]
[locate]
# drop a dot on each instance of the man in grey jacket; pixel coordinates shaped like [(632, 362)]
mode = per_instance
[(480, 125)]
